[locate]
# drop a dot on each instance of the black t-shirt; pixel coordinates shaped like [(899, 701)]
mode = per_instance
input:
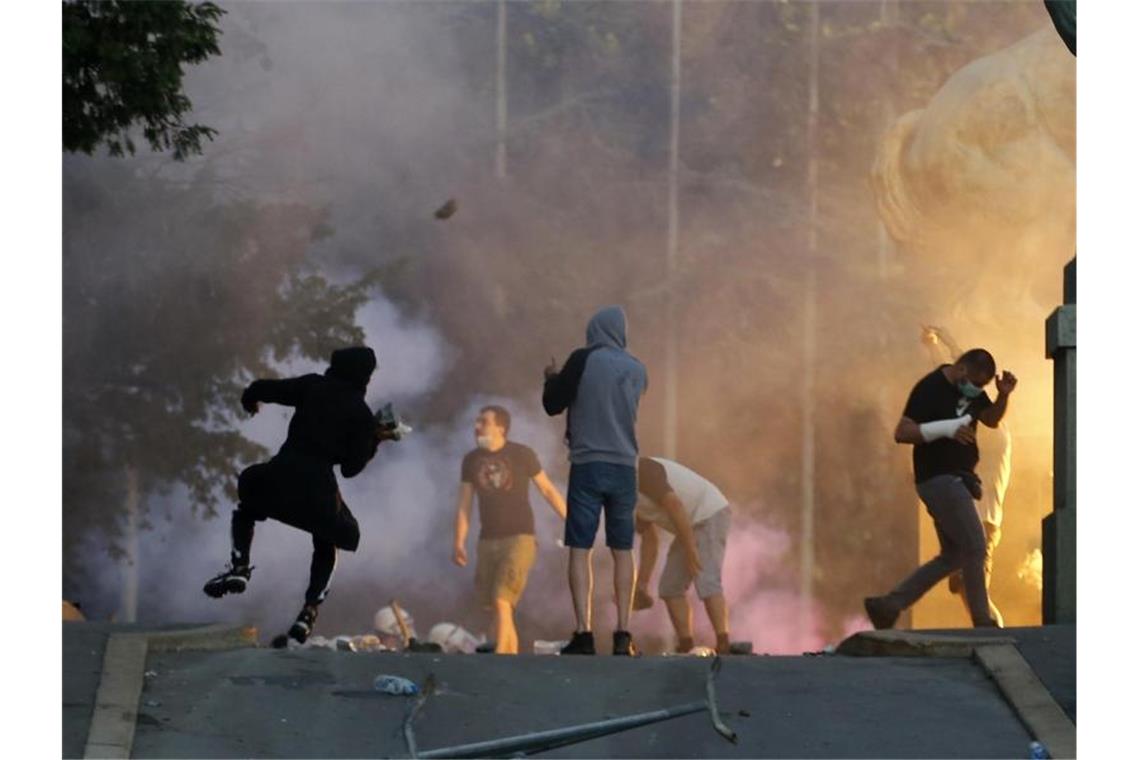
[(502, 483), (936, 398)]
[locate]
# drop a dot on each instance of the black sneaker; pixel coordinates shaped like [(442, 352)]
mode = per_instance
[(880, 612), (303, 625), (582, 643), (232, 580), (487, 647), (623, 644)]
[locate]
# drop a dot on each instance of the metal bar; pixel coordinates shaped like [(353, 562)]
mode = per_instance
[(409, 729), (710, 694), (581, 732)]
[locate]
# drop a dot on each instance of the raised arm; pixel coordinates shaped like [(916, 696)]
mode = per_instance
[(552, 495), (288, 392), (560, 387), (941, 344), (992, 415)]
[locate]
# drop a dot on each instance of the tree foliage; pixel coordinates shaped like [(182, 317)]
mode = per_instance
[(123, 67), (173, 299)]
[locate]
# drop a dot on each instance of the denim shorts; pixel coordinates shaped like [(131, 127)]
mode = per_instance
[(594, 486)]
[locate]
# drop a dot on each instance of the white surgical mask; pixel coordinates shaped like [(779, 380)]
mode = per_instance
[(969, 390), (483, 441)]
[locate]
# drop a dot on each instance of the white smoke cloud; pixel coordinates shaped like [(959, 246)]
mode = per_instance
[(404, 502)]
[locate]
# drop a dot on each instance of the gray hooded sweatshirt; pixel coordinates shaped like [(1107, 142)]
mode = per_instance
[(601, 385)]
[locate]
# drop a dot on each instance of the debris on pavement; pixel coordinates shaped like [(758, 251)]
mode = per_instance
[(549, 647), (394, 685), (453, 638)]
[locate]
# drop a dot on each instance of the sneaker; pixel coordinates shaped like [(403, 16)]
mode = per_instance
[(232, 580), (880, 612), (303, 625), (684, 644), (487, 647), (723, 645), (582, 643), (623, 644)]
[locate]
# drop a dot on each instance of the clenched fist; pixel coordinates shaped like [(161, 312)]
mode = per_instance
[(1006, 382)]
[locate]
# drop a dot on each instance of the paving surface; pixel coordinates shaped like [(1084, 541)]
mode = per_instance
[(83, 647), (261, 703), (1051, 651), (317, 703)]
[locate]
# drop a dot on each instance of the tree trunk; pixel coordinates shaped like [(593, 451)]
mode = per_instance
[(129, 610)]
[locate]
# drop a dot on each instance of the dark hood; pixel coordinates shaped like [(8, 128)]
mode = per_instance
[(607, 328), (353, 366)]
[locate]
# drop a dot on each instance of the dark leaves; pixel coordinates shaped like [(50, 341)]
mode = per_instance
[(122, 70)]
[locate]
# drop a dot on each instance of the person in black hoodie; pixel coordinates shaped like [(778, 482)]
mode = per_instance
[(332, 425)]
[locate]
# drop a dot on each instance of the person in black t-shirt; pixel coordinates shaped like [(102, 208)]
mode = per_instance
[(500, 472), (940, 418)]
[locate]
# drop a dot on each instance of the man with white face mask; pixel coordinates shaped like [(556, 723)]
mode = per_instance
[(939, 421), (500, 472), (995, 457)]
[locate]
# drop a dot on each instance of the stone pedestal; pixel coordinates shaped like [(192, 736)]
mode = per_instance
[(1059, 529)]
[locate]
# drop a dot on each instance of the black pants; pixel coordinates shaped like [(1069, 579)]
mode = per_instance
[(301, 496), (320, 568)]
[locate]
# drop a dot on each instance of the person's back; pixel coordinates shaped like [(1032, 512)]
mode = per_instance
[(603, 414), (700, 498), (601, 386), (332, 423)]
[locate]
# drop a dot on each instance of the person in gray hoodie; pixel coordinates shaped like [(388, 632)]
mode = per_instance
[(600, 387)]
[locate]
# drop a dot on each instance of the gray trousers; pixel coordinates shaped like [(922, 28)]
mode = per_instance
[(962, 543)]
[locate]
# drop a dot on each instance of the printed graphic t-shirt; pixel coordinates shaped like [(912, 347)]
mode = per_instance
[(936, 398), (502, 484)]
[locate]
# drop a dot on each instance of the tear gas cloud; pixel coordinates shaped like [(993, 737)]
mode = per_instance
[(379, 112)]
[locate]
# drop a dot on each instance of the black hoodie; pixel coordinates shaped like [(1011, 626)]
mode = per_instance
[(332, 425)]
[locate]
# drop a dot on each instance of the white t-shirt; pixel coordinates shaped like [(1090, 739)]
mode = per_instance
[(657, 476), (995, 456)]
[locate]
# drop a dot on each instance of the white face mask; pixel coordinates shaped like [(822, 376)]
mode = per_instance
[(969, 390), (483, 441)]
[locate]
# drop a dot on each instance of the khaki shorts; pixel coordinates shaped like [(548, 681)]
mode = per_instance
[(501, 568), (711, 536)]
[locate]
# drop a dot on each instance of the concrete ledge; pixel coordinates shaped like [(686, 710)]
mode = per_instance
[(112, 730), (1044, 718), (212, 637), (999, 657), (891, 643)]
